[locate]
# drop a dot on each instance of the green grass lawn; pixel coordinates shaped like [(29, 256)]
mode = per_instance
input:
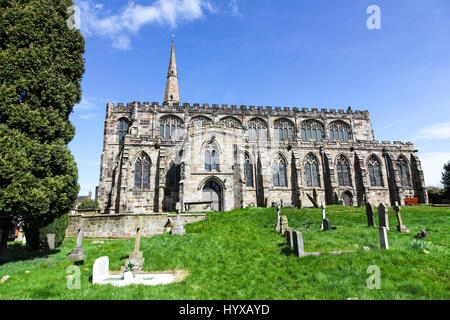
[(238, 255)]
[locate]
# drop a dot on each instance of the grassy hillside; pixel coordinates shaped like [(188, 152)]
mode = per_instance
[(238, 255)]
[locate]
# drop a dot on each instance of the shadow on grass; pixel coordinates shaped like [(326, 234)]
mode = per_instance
[(287, 251), (18, 252)]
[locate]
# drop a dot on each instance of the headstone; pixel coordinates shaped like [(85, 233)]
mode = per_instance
[(178, 227), (51, 241), (77, 253), (383, 216), (289, 239), (278, 225), (284, 224), (100, 270), (326, 224), (298, 244), (136, 254), (423, 234), (383, 238), (178, 207), (323, 215), (370, 215), (400, 227)]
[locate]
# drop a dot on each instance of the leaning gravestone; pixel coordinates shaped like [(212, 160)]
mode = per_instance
[(383, 238), (383, 217), (298, 244), (51, 241), (400, 227), (77, 253), (137, 255), (370, 215)]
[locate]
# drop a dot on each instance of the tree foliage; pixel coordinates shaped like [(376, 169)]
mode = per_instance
[(446, 178), (41, 66), (88, 204)]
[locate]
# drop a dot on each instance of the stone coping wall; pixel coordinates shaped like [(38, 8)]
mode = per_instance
[(117, 226)]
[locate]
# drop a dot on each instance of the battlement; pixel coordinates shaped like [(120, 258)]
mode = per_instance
[(235, 109)]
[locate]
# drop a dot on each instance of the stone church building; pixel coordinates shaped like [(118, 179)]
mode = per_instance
[(211, 157)]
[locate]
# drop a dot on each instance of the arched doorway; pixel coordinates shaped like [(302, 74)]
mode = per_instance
[(213, 192), (347, 196)]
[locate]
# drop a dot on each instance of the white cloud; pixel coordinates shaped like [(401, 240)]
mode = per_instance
[(86, 103), (432, 165), (96, 20), (436, 131)]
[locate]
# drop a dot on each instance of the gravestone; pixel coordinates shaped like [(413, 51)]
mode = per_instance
[(77, 253), (51, 241), (284, 224), (298, 244), (178, 207), (423, 234), (323, 215), (100, 270), (326, 224), (400, 227), (383, 238), (278, 225), (289, 239), (370, 215), (178, 227), (136, 254), (383, 216)]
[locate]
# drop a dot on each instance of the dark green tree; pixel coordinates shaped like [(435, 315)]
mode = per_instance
[(446, 179), (41, 66)]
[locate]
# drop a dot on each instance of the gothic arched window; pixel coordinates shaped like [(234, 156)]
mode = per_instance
[(312, 171), (402, 165), (248, 171), (340, 130), (374, 166), (211, 158), (343, 172), (170, 127), (142, 173), (257, 129), (200, 121), (312, 130), (279, 172), (284, 130), (123, 129), (230, 122)]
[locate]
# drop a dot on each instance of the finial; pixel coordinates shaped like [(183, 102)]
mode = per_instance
[(173, 37)]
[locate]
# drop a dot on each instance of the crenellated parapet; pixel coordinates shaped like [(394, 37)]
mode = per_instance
[(243, 110)]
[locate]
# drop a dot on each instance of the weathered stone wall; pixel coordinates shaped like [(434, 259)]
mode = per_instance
[(124, 225)]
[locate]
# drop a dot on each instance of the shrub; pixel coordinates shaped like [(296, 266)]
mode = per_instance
[(88, 205), (37, 234)]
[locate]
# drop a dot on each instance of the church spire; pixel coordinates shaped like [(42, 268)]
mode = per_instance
[(172, 93)]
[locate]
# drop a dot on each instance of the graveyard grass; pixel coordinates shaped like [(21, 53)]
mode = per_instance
[(238, 255)]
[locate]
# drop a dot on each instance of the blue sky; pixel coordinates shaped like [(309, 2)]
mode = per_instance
[(301, 53)]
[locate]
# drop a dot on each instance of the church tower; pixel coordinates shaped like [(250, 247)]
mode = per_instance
[(172, 94)]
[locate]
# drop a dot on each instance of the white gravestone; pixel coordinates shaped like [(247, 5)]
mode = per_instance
[(100, 270)]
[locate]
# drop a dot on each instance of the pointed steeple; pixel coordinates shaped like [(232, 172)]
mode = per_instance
[(172, 93)]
